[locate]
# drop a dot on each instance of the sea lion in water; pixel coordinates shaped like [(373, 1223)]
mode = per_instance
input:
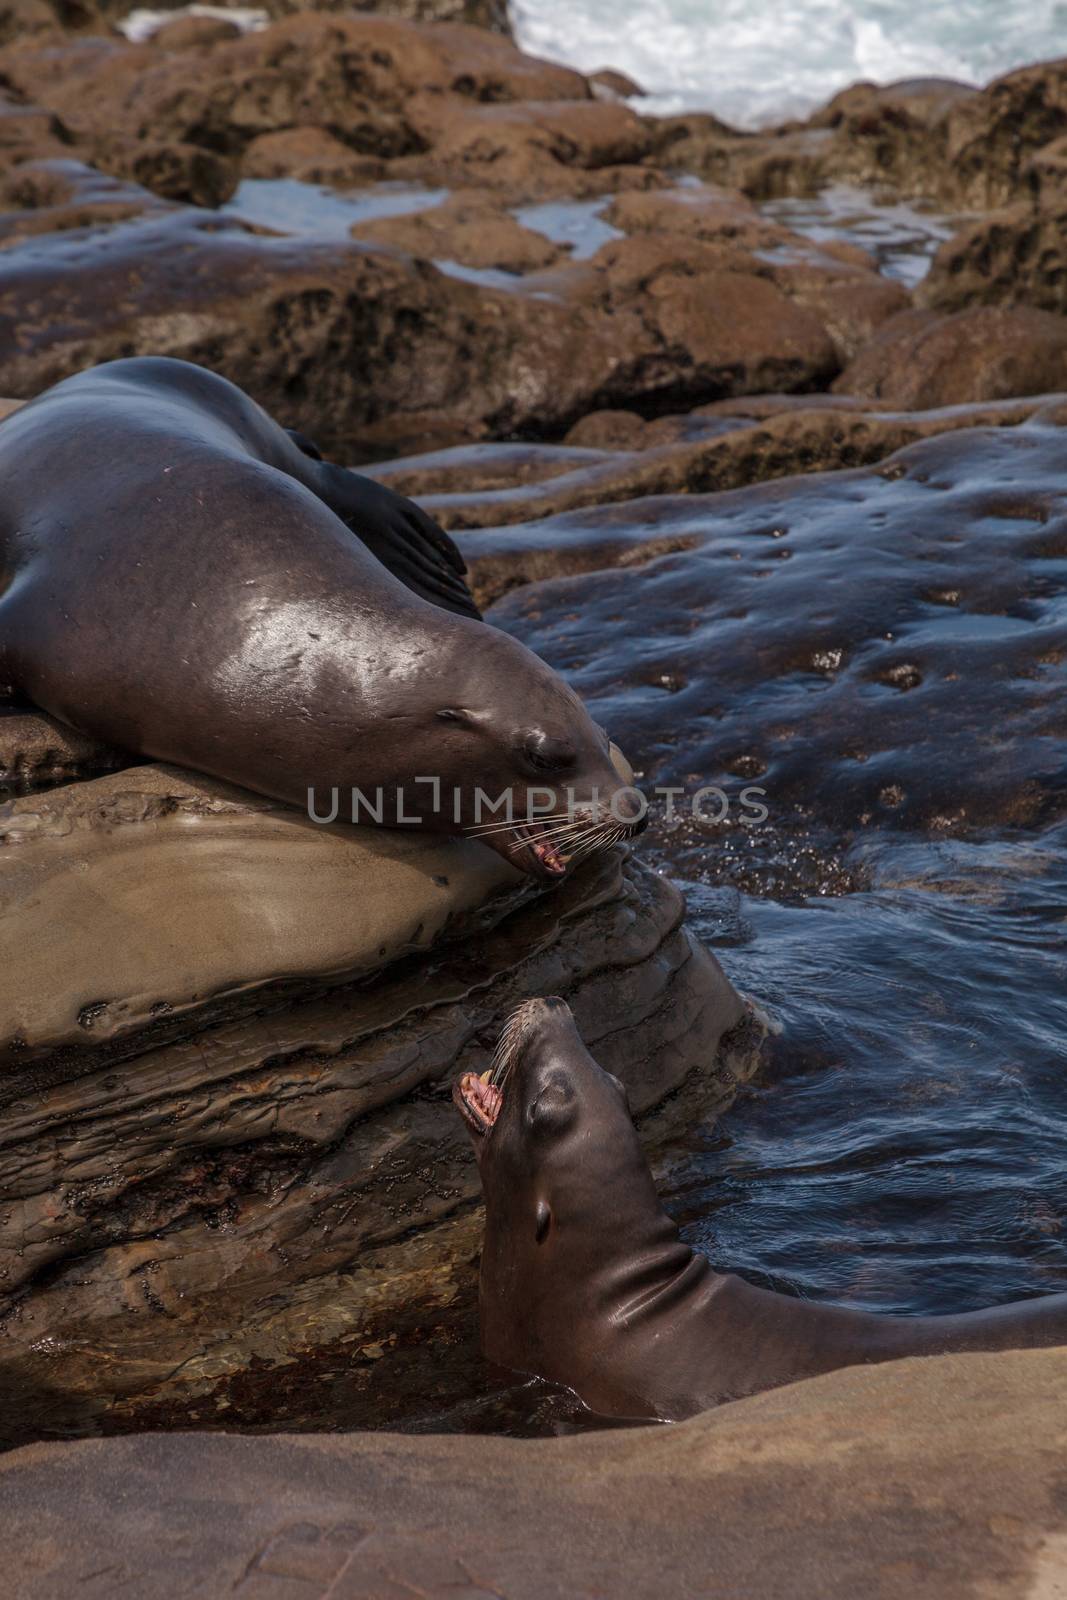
[(585, 1280), (181, 577)]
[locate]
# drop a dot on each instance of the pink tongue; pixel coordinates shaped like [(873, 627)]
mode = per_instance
[(485, 1097)]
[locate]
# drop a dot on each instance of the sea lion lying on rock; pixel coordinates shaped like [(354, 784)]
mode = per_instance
[(182, 578), (585, 1280)]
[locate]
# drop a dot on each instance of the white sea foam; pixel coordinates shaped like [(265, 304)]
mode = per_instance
[(758, 61)]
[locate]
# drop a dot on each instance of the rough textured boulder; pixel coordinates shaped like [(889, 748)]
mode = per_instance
[(367, 350), (917, 1480), (36, 751), (310, 155), (28, 132), (1015, 256), (46, 197), (469, 227), (370, 81), (194, 33), (930, 137), (734, 325), (529, 147), (46, 21), (989, 353), (477, 13), (229, 1155)]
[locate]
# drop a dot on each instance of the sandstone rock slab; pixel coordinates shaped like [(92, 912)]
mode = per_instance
[(918, 1480)]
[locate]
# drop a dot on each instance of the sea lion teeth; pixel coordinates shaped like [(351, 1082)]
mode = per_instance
[(586, 1281), (479, 1101)]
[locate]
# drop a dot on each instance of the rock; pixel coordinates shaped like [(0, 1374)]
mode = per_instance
[(607, 84), (176, 171), (922, 360), (926, 100), (893, 135), (612, 456), (608, 430), (28, 19), (468, 227), (366, 80), (60, 195), (83, 858), (194, 33), (1012, 257), (1046, 172), (530, 148), (301, 325), (312, 156), (931, 138), (35, 750), (229, 1142), (737, 330), (28, 133), (705, 211), (913, 1480), (867, 645), (991, 135), (483, 466), (337, 72), (44, 21), (491, 14)]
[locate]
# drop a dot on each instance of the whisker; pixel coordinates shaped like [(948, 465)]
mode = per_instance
[(516, 822)]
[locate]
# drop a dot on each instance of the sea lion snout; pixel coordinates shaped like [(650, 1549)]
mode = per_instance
[(540, 1061)]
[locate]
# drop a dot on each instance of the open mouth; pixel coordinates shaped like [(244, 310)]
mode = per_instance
[(478, 1100), (546, 847), (480, 1097), (533, 839)]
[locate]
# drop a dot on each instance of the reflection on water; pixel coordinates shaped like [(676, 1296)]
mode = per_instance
[(902, 237), (575, 224), (310, 211), (906, 1151)]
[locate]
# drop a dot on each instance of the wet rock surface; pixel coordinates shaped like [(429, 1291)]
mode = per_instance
[(229, 1143), (847, 640), (617, 455), (939, 1479), (986, 353)]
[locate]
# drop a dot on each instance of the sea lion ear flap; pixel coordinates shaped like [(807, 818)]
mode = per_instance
[(543, 1221)]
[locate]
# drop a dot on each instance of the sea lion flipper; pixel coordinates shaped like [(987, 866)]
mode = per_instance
[(306, 446), (403, 537)]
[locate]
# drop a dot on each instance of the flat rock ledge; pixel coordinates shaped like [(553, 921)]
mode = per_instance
[(227, 1040), (937, 1479)]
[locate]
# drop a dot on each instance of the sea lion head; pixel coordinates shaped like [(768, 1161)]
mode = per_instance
[(521, 764), (571, 1208)]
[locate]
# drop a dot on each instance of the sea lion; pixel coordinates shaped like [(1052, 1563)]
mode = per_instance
[(181, 577), (585, 1280)]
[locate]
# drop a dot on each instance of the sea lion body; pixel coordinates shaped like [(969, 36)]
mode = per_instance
[(181, 578), (586, 1282)]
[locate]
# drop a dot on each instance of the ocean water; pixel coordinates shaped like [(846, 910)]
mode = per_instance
[(758, 61)]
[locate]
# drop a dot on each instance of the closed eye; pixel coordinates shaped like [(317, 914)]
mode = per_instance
[(543, 753)]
